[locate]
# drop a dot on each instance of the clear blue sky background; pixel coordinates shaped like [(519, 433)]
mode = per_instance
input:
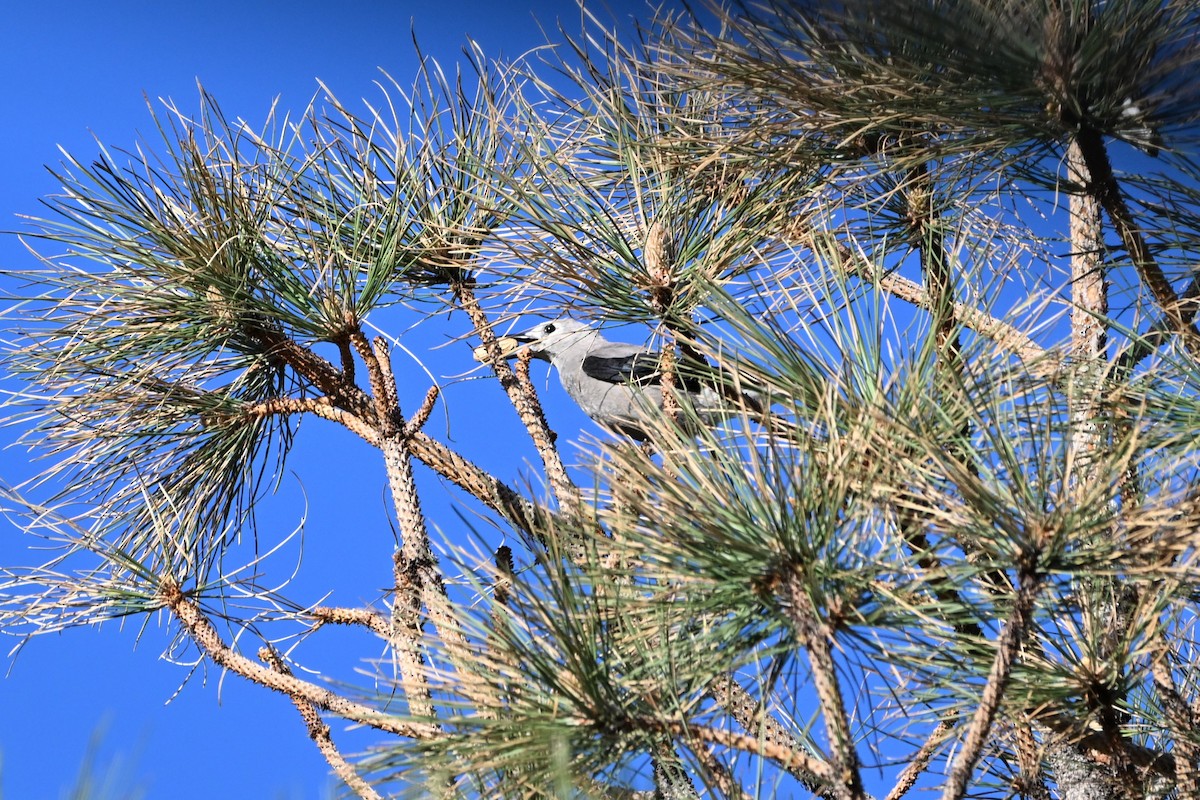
[(71, 71)]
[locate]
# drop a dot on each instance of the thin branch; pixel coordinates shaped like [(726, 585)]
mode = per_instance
[(320, 406), (982, 323), (319, 732), (791, 760), (1156, 335), (209, 641), (718, 774), (814, 635), (334, 615), (749, 714), (478, 482), (327, 378), (383, 391), (525, 402), (422, 416), (659, 261), (920, 760), (1029, 760), (1007, 648)]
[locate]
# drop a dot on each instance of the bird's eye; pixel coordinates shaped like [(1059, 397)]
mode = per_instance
[(549, 328)]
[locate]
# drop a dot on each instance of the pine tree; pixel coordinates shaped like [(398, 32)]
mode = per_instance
[(950, 244)]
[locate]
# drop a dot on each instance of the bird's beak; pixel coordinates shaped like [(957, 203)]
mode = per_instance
[(509, 345)]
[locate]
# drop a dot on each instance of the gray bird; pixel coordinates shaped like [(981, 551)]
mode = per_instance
[(618, 384)]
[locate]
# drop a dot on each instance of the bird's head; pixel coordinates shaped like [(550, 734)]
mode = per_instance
[(544, 340), (549, 339)]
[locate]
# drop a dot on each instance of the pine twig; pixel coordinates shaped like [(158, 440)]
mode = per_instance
[(319, 732), (333, 615), (322, 407), (920, 760), (787, 758), (1007, 648), (814, 635), (747, 712), (522, 398), (209, 641)]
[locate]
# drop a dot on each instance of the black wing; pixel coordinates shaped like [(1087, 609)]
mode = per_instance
[(639, 367), (615, 364)]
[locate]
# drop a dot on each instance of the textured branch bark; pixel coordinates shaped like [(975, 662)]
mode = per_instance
[(332, 615), (489, 490), (345, 396), (791, 760), (1007, 649), (209, 641), (748, 713), (319, 406), (1103, 186), (815, 636), (920, 760), (1100, 596), (1181, 722), (1089, 323), (419, 580), (527, 405), (319, 732)]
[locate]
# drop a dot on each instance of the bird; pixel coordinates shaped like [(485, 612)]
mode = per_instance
[(619, 385)]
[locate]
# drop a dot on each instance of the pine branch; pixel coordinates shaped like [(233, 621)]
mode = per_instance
[(920, 760), (319, 732), (367, 618), (788, 759), (1016, 628), (1103, 185), (748, 713), (523, 400), (1181, 722), (815, 636), (198, 626)]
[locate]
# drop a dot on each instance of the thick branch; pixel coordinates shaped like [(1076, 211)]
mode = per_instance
[(1104, 187), (414, 567), (418, 578), (328, 379)]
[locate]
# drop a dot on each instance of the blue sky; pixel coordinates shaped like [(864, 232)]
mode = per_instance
[(73, 71)]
